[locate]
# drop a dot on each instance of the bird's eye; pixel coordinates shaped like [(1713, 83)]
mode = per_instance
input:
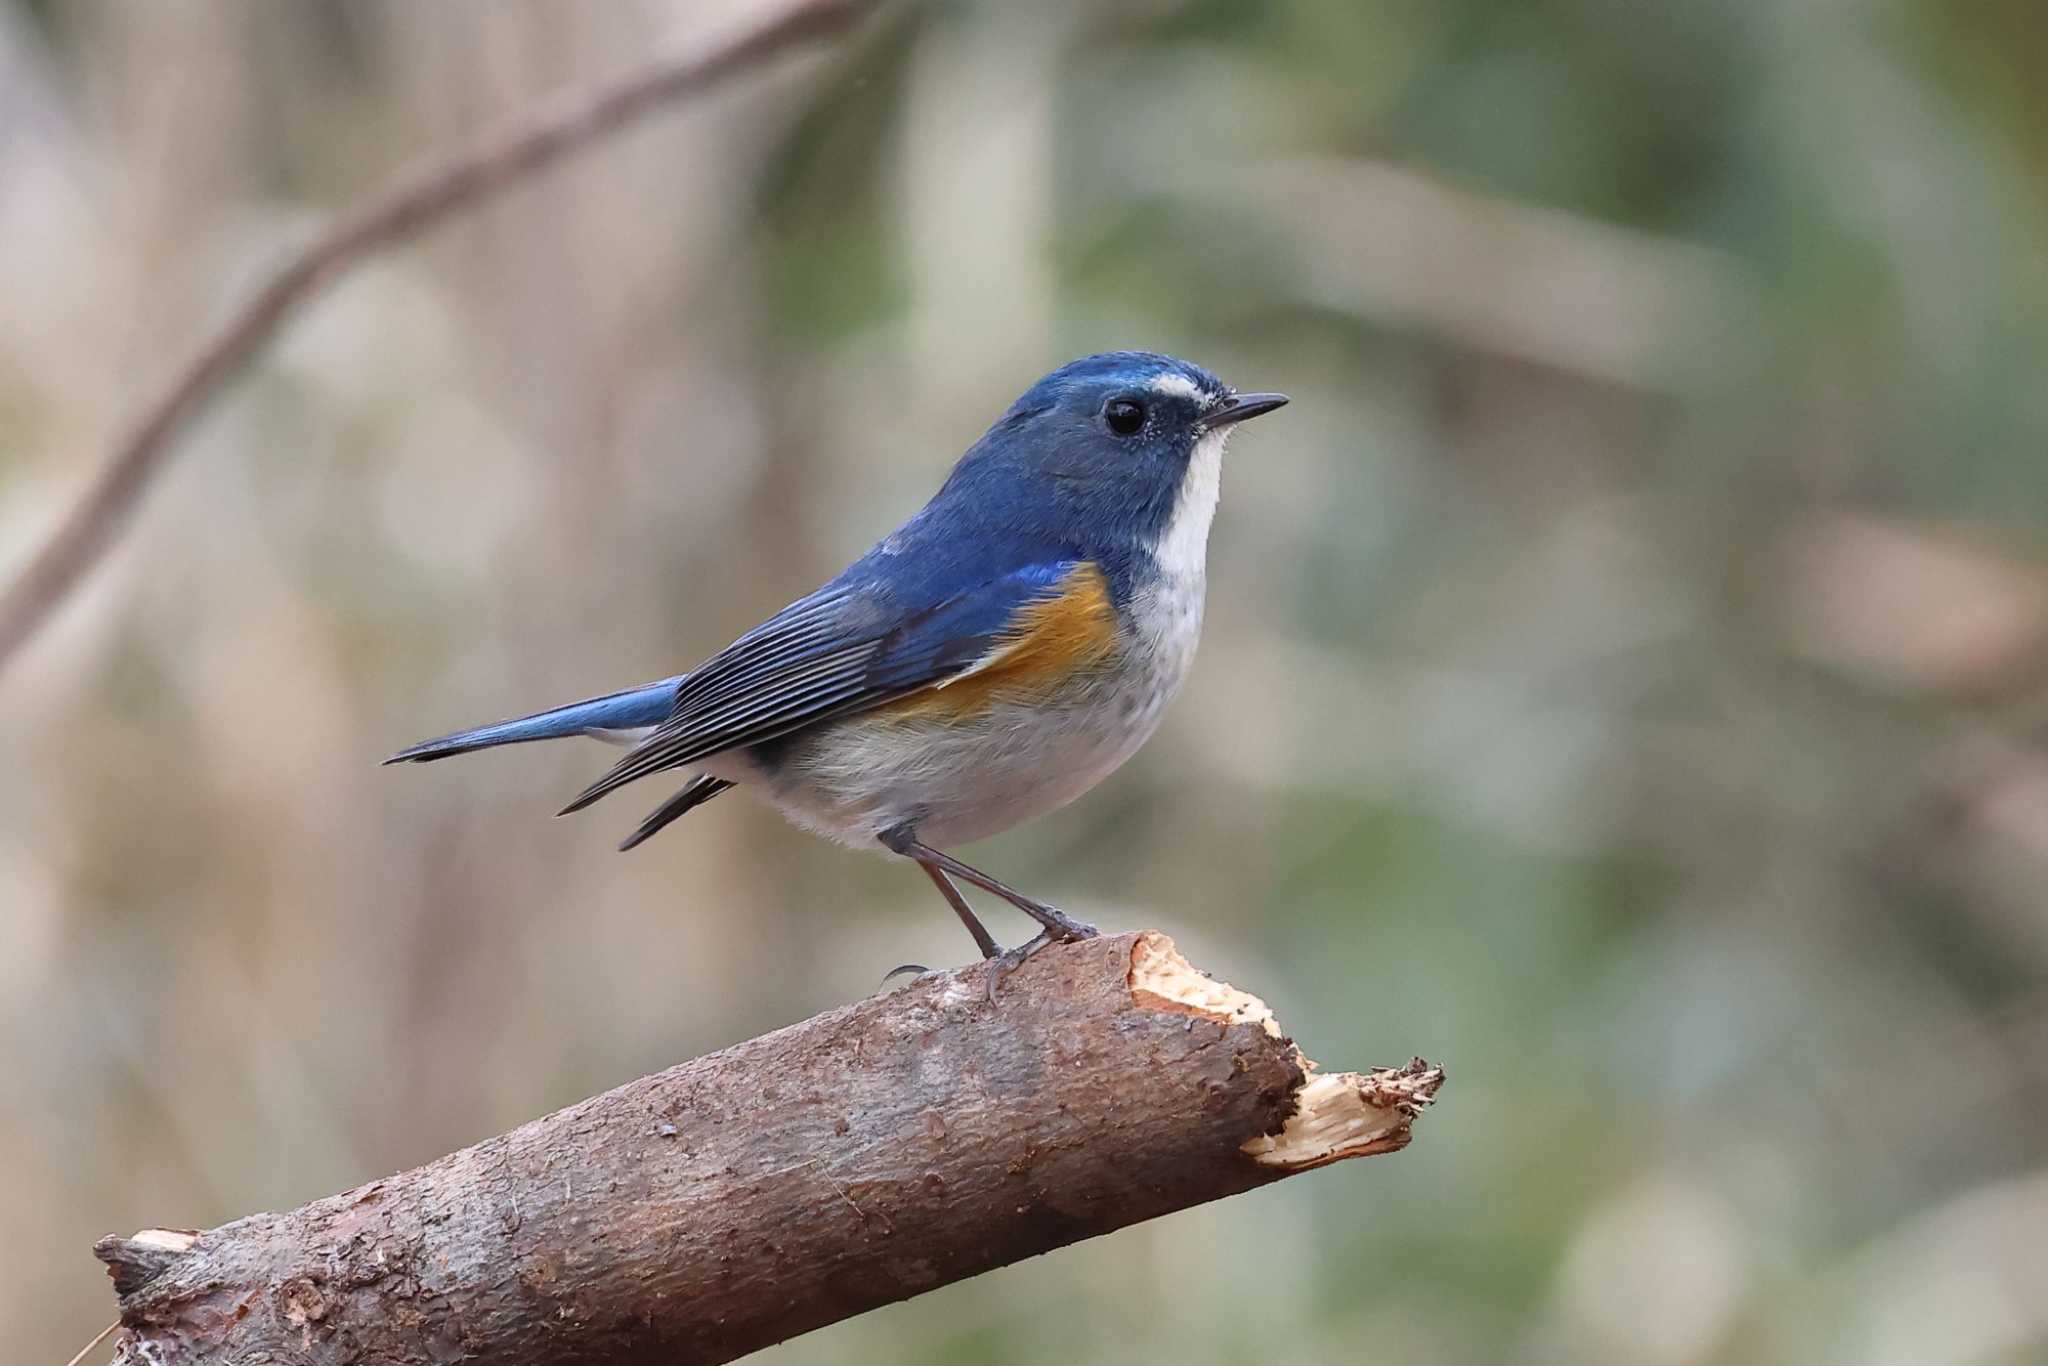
[(1124, 416)]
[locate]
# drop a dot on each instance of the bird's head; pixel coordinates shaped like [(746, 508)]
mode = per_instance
[(1126, 445)]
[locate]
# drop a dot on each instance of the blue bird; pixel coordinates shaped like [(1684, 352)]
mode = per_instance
[(987, 662)]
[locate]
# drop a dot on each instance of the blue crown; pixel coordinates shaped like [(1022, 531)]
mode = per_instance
[(1092, 375)]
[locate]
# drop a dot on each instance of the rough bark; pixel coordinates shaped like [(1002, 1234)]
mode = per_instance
[(860, 1157)]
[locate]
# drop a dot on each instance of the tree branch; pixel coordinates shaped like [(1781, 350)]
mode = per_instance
[(858, 1158), (416, 200)]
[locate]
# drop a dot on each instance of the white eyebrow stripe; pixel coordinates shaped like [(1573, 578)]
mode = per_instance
[(1181, 385)]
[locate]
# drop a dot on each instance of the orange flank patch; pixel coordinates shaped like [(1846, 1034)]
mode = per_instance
[(1050, 641)]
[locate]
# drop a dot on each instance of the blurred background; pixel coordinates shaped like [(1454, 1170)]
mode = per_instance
[(1626, 680)]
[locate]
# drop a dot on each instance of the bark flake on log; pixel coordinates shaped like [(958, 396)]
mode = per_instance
[(855, 1159)]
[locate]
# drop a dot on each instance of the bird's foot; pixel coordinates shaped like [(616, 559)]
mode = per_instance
[(1062, 927), (1009, 960)]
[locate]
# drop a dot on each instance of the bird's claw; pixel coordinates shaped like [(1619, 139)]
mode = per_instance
[(1009, 960), (902, 970)]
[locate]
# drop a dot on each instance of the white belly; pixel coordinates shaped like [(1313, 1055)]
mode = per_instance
[(958, 781)]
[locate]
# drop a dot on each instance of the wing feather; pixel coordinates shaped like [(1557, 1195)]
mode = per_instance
[(824, 658)]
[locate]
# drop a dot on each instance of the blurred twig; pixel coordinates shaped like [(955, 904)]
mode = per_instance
[(858, 1158), (416, 200), (98, 1338)]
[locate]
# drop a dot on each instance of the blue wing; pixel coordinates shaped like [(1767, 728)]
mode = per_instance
[(859, 642)]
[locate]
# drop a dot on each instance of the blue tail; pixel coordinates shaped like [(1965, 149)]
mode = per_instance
[(647, 705)]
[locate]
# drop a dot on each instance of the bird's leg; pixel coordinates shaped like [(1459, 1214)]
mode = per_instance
[(983, 940), (1059, 926)]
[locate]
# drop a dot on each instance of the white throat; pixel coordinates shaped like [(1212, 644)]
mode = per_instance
[(1183, 547)]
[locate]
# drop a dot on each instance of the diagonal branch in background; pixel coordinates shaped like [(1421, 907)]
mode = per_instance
[(416, 200), (858, 1158)]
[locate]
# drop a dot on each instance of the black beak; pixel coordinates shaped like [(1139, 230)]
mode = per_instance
[(1238, 407)]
